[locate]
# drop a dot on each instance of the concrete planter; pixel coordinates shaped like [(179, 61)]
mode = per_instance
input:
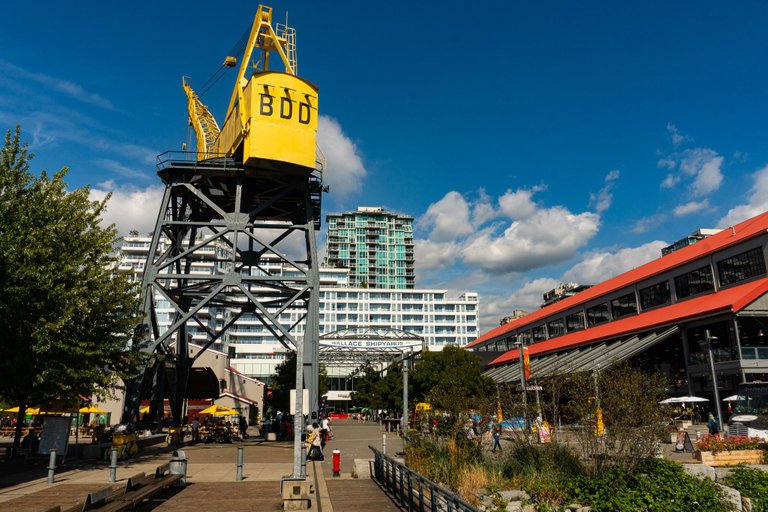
[(731, 458)]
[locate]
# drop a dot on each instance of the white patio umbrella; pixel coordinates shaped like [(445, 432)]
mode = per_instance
[(731, 398), (693, 399), (672, 400)]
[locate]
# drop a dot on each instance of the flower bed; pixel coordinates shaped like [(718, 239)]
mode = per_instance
[(729, 451), (728, 444)]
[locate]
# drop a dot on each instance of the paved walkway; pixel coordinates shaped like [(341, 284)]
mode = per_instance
[(211, 472)]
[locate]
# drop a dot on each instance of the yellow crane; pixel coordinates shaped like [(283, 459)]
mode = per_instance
[(271, 121)]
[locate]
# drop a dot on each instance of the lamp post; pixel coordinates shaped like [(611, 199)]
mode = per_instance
[(523, 385), (405, 400), (706, 345)]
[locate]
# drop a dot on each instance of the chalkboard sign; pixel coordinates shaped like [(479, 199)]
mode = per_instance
[(55, 435), (688, 445), (684, 443)]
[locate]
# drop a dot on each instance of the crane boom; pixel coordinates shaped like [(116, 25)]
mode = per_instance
[(201, 119)]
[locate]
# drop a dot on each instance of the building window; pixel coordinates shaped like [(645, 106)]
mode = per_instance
[(695, 282), (574, 322), (624, 305), (598, 314), (740, 267), (556, 327), (539, 333), (655, 295)]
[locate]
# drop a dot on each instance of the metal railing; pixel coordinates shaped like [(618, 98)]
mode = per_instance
[(412, 491)]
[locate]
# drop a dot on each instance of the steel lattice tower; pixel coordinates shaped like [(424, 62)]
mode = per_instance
[(218, 213)]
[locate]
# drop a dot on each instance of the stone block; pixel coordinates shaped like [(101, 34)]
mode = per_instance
[(700, 471)]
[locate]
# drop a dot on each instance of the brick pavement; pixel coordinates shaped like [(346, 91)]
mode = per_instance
[(211, 473)]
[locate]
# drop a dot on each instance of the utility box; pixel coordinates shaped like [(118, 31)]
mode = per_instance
[(178, 466)]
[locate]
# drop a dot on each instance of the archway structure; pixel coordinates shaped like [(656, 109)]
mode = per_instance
[(368, 345)]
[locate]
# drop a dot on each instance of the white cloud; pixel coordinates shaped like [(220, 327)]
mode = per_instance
[(528, 298), (647, 223), (345, 170), (129, 207), (482, 210), (667, 163), (603, 199), (447, 219), (757, 201), (701, 167), (547, 237), (431, 255), (123, 170), (486, 239), (708, 178), (597, 267), (66, 87), (594, 268), (690, 207), (518, 204), (675, 135)]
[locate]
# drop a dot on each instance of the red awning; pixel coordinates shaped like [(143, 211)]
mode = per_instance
[(728, 300)]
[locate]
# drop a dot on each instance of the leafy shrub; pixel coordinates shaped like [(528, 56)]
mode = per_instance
[(654, 485), (752, 483), (540, 469), (730, 443), (524, 459)]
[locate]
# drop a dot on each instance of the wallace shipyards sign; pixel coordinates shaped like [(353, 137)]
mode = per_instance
[(371, 344)]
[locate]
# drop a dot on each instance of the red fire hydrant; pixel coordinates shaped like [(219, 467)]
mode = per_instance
[(336, 462)]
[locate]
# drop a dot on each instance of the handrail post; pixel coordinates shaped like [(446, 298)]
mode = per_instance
[(52, 466), (113, 465)]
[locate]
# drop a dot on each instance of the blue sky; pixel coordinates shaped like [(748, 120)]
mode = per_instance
[(534, 142)]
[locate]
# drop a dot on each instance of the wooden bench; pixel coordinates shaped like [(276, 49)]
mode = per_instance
[(138, 488)]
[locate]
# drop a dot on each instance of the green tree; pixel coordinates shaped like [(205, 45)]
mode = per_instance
[(65, 316), (284, 380), (633, 420), (367, 390), (451, 381)]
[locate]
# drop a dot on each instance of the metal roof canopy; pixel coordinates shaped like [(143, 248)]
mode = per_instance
[(583, 359), (355, 346)]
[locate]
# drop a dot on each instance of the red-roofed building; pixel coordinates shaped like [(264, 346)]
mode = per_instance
[(655, 316)]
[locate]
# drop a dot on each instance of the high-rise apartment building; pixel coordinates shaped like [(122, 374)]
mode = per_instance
[(375, 245), (429, 313)]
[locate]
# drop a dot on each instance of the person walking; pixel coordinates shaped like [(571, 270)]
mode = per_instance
[(243, 427), (712, 425), (496, 434), (325, 430), (315, 440)]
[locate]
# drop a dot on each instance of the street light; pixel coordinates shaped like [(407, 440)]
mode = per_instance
[(706, 346)]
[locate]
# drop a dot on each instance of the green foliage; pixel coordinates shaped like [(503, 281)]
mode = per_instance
[(451, 381), (655, 485), (380, 390), (284, 380), (440, 459), (633, 421), (540, 469), (367, 392), (524, 459), (752, 483), (65, 317)]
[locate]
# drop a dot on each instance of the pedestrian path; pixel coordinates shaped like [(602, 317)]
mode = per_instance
[(211, 474)]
